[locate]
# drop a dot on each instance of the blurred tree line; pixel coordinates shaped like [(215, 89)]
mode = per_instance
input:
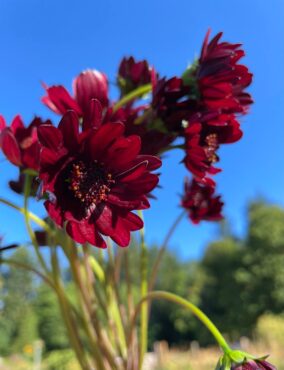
[(235, 282)]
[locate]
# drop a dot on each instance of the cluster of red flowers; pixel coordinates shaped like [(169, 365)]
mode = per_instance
[(96, 166)]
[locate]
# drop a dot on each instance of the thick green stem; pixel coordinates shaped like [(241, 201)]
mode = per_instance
[(140, 91), (182, 302)]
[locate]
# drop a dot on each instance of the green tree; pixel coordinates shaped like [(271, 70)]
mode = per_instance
[(50, 323), (220, 294), (262, 274)]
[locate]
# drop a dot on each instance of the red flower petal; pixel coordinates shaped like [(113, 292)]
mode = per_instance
[(85, 232), (122, 152), (93, 118), (69, 127), (101, 139), (10, 147), (50, 137), (16, 124), (2, 123), (59, 100)]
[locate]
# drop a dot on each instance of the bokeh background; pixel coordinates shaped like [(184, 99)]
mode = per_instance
[(52, 41)]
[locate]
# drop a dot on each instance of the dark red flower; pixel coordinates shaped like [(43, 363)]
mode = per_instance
[(132, 74), (203, 136), (254, 365), (221, 80), (19, 143), (200, 203), (90, 84), (95, 178), (200, 151)]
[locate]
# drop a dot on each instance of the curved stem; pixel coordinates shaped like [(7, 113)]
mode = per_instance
[(140, 91), (143, 291), (32, 216), (190, 306), (29, 268), (162, 250)]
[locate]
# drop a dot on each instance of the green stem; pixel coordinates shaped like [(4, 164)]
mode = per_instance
[(114, 302), (29, 268), (190, 306), (143, 291), (27, 188), (67, 314), (83, 298), (31, 215), (163, 249), (140, 91)]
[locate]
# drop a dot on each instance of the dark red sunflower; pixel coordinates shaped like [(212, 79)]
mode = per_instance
[(200, 202), (95, 179), (221, 80), (19, 143), (90, 84)]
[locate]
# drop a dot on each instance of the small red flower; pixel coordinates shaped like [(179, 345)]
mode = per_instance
[(95, 179), (200, 203), (90, 84), (200, 151), (19, 143), (132, 74), (203, 136), (254, 365), (221, 80)]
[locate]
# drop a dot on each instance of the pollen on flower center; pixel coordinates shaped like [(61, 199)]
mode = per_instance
[(212, 145), (89, 183)]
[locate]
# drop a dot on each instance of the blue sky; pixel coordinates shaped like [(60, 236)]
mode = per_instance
[(53, 41)]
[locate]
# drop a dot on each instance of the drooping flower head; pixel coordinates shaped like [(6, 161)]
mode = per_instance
[(203, 137), (95, 179), (89, 85), (254, 365), (19, 143), (200, 202)]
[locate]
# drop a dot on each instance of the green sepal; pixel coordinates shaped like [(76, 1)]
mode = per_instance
[(224, 363), (237, 356)]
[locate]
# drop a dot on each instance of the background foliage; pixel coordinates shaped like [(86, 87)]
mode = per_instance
[(239, 283)]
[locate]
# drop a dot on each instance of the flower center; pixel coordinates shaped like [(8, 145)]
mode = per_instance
[(212, 145), (89, 182)]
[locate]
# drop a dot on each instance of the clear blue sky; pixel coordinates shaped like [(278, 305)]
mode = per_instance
[(52, 41)]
